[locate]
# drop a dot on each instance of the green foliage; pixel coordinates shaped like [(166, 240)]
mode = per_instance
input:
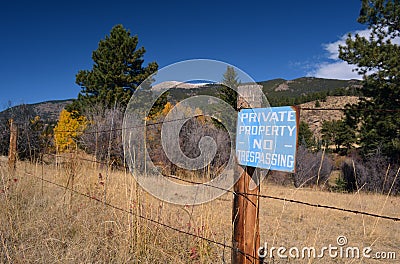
[(116, 73), (302, 90), (337, 132), (377, 58), (340, 185), (159, 105), (306, 136), (230, 82)]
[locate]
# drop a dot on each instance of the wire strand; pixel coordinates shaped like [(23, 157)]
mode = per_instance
[(141, 216), (218, 112), (396, 219)]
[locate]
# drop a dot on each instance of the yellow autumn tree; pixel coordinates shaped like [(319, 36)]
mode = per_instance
[(199, 114), (68, 129), (167, 107)]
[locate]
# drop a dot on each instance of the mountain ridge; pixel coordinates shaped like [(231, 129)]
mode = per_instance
[(279, 91), (48, 111)]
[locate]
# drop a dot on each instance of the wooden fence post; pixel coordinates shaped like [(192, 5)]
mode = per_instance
[(12, 151), (246, 233)]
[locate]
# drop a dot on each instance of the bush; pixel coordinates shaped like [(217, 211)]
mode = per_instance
[(34, 135), (308, 170), (189, 137), (103, 135), (374, 174)]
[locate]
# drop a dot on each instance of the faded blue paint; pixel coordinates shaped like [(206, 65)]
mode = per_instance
[(267, 138)]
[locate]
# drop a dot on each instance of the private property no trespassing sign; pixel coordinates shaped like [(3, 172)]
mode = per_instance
[(267, 138)]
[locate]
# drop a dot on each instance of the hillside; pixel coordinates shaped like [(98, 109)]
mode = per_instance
[(48, 111), (283, 92), (306, 85), (278, 92), (315, 118), (306, 89)]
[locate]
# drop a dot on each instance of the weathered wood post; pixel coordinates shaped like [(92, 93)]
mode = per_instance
[(12, 151), (246, 233)]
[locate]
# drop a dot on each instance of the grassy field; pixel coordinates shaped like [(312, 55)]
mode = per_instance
[(45, 223)]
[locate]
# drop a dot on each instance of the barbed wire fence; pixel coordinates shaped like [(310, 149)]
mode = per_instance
[(178, 230), (283, 199), (224, 245)]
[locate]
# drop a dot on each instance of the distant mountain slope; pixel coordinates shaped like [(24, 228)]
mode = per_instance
[(306, 89), (304, 85), (283, 92), (48, 111), (278, 92), (315, 118)]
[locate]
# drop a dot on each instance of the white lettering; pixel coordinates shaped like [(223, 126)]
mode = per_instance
[(244, 116), (274, 117), (267, 158), (257, 143), (291, 116), (291, 129), (253, 117)]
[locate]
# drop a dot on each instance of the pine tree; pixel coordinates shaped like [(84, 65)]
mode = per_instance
[(337, 132), (117, 71), (230, 83), (377, 58), (306, 136)]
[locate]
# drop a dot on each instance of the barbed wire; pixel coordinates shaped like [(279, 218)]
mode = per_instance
[(396, 219), (175, 229), (348, 109), (208, 240), (218, 112), (133, 127), (148, 124), (167, 176), (244, 194)]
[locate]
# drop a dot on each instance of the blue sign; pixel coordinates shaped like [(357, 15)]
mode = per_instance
[(267, 138)]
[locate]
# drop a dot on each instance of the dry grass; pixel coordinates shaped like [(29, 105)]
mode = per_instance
[(42, 223)]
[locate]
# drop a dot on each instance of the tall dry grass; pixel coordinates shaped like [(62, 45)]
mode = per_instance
[(43, 223)]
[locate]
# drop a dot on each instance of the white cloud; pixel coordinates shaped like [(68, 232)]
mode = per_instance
[(336, 68)]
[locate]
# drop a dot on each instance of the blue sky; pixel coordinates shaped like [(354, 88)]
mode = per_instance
[(45, 43)]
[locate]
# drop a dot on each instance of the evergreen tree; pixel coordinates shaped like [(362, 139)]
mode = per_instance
[(337, 132), (230, 83), (377, 58), (306, 136), (117, 71)]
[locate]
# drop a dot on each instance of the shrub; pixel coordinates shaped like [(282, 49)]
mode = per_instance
[(308, 171), (374, 174), (103, 135)]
